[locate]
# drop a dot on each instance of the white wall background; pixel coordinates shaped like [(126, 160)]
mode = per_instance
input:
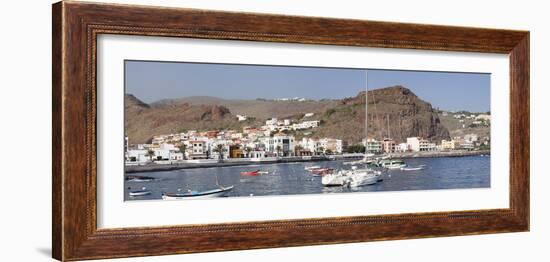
[(25, 94)]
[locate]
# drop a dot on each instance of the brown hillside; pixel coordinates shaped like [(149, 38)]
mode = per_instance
[(396, 109)]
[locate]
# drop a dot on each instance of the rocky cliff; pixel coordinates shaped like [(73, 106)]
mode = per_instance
[(398, 113)]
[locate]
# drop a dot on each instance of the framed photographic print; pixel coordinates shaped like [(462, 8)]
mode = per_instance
[(182, 130)]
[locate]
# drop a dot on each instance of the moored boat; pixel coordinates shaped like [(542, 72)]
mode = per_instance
[(139, 193), (413, 168), (362, 178), (135, 178), (192, 194), (335, 179), (322, 171), (251, 173), (309, 168), (392, 163)]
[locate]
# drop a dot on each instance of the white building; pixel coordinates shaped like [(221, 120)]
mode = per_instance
[(271, 122), (323, 145), (483, 117), (332, 145), (167, 152), (419, 145), (310, 144), (373, 146), (139, 156), (402, 147), (242, 118), (197, 149), (286, 122), (279, 144), (306, 125)]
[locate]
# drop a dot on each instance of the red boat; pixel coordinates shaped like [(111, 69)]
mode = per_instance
[(251, 173), (322, 171)]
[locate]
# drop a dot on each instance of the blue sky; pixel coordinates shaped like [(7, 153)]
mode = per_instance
[(153, 81), (447, 91)]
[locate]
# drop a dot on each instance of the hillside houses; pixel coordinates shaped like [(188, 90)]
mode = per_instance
[(270, 140)]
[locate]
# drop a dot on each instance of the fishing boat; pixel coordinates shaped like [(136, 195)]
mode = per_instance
[(251, 173), (392, 163), (309, 168), (192, 194), (263, 172)]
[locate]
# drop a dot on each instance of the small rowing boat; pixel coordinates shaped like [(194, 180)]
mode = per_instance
[(412, 168), (309, 168), (192, 194), (134, 178), (322, 171), (142, 192), (251, 173), (139, 193)]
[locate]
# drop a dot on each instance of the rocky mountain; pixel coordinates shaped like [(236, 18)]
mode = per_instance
[(398, 113), (394, 111)]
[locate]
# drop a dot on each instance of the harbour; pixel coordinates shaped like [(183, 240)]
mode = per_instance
[(292, 178)]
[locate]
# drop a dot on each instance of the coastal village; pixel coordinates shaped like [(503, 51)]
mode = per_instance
[(275, 140)]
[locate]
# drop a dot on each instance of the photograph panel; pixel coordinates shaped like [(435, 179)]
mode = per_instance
[(207, 130)]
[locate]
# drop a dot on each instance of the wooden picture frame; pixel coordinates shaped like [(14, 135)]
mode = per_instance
[(76, 26)]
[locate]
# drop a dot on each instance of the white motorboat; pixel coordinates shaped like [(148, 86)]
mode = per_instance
[(392, 163), (335, 179), (359, 178), (191, 194)]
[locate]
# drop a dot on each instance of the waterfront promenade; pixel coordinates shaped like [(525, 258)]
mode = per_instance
[(453, 153), (167, 166)]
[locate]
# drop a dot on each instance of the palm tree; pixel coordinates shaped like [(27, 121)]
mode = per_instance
[(219, 149), (278, 149), (183, 149), (150, 154), (320, 150)]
